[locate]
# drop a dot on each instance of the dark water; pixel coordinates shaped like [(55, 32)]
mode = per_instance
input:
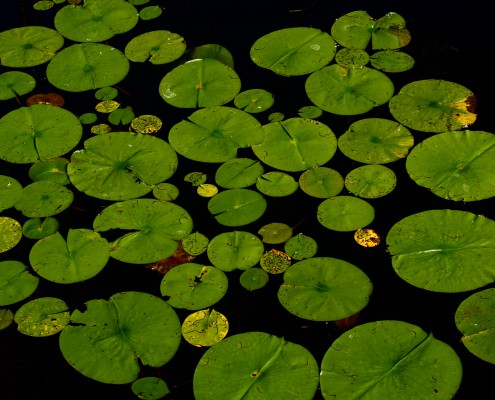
[(450, 41)]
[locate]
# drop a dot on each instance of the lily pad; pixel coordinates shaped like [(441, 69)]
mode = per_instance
[(371, 181), (345, 213), (444, 250), (215, 134), (205, 328), (392, 61), (214, 51), (275, 233), (16, 282), (235, 250), (254, 279), (166, 192), (276, 184), (352, 58), (356, 29), (6, 318), (52, 169), (275, 261), (29, 46), (10, 233), (96, 21), (42, 317), (321, 182), (29, 134), (324, 289), (238, 173), (193, 286), (157, 47), (293, 51), (200, 83), (300, 247), (35, 228), (150, 12), (254, 100), (155, 229), (10, 192), (110, 340), (44, 199), (475, 318), (434, 105), (296, 144), (247, 364), (121, 165), (150, 388), (15, 83), (390, 360), (87, 66), (237, 207), (348, 91), (81, 257), (376, 141), (455, 165)]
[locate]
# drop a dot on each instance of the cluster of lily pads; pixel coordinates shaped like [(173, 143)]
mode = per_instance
[(126, 165)]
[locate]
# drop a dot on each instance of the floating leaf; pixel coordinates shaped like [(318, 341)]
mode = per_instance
[(300, 247), (351, 58), (371, 181), (196, 178), (44, 199), (10, 192), (207, 190), (121, 116), (254, 100), (214, 51), (310, 112), (157, 47), (17, 283), (444, 250), (106, 93), (238, 173), (195, 243), (205, 328), (392, 61), (146, 124), (345, 213), (35, 228), (247, 364), (15, 83), (324, 289), (392, 360), (51, 99), (275, 261), (100, 129), (275, 233), (10, 233), (42, 317), (166, 192), (6, 318), (88, 118), (321, 182), (107, 106), (150, 388), (151, 12), (276, 184), (367, 237), (52, 169), (254, 279), (111, 339)]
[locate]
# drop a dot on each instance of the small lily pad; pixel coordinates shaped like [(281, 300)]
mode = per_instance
[(300, 247), (352, 58), (15, 83), (42, 317), (392, 61), (6, 318), (52, 169), (275, 261), (166, 192), (345, 213), (275, 233), (157, 47), (10, 192), (254, 279), (44, 199), (17, 283), (205, 328), (36, 228), (150, 388), (371, 181), (10, 233), (254, 100), (195, 243), (321, 182), (276, 184), (238, 173)]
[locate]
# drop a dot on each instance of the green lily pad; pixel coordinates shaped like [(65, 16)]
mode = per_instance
[(6, 318), (275, 233), (324, 289), (434, 105), (389, 360), (15, 83), (205, 328), (455, 165), (155, 229), (193, 286), (121, 116), (248, 364), (88, 118), (310, 112), (214, 51), (356, 29), (237, 207), (81, 257), (348, 91), (150, 388), (87, 66), (392, 61), (35, 228), (146, 124), (254, 279), (16, 282), (371, 181), (444, 250), (110, 340), (96, 21), (43, 5), (275, 261), (42, 317), (166, 192), (475, 318), (200, 83), (235, 250), (195, 243), (157, 47), (238, 173), (345, 213), (254, 100), (52, 169), (215, 134), (44, 199), (10, 233), (376, 141), (276, 184), (121, 165), (40, 131), (296, 144), (106, 93), (321, 182), (150, 12), (300, 247), (293, 51), (29, 46), (10, 192), (352, 58)]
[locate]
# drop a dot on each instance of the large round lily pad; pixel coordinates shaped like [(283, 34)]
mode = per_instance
[(29, 46), (121, 165), (389, 360), (324, 289), (237, 207), (350, 91), (40, 131), (111, 339), (434, 105), (155, 229), (95, 20), (294, 51), (214, 134), (296, 144), (16, 282), (444, 250), (87, 66), (255, 365), (455, 165)]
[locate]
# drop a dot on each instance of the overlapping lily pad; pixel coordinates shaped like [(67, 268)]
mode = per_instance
[(44, 199), (17, 283), (121, 165), (238, 173)]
